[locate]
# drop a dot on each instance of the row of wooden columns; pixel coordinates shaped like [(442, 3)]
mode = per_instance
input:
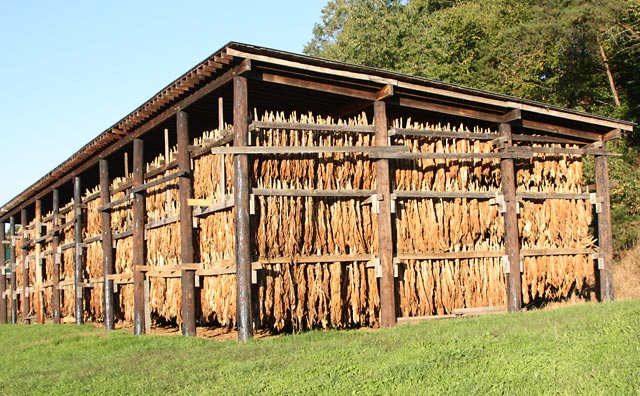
[(139, 244), (243, 230), (511, 234)]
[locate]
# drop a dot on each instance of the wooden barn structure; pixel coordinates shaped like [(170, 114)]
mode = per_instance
[(269, 190)]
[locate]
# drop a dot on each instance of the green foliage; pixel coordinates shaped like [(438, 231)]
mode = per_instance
[(585, 349), (544, 50)]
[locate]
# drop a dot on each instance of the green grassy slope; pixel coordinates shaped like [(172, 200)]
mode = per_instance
[(591, 349)]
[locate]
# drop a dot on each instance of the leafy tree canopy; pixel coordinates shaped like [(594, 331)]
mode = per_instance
[(581, 54)]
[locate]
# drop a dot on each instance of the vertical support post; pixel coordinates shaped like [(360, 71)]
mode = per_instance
[(26, 300), (243, 221), (222, 186), (38, 292), (107, 245), (385, 227), (511, 238), (605, 238), (57, 258), (167, 154), (138, 238), (78, 256), (186, 227), (220, 114), (12, 279), (3, 277), (147, 305)]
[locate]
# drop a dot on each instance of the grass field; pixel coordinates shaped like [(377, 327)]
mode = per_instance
[(589, 349)]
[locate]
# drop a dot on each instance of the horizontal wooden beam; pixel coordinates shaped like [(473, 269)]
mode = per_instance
[(513, 115), (614, 134), (450, 110), (446, 194), (445, 156), (312, 85), (281, 192), (299, 126), (550, 195), (289, 150), (545, 139), (385, 92), (509, 103), (478, 310), (556, 252), (565, 131), (225, 203), (160, 170), (442, 134), (227, 137), (115, 203), (319, 69), (156, 182), (473, 254)]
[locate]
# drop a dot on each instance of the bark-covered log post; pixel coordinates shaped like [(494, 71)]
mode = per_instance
[(243, 220), (139, 208), (107, 246), (385, 227), (186, 227), (605, 236), (511, 239), (78, 264)]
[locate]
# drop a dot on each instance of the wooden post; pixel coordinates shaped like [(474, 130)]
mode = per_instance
[(243, 221), (12, 279), (57, 259), (222, 186), (38, 292), (139, 207), (78, 256), (385, 227), (605, 238), (107, 245), (186, 227), (26, 299), (511, 238), (3, 277)]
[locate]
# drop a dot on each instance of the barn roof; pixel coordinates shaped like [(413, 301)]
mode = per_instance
[(284, 81)]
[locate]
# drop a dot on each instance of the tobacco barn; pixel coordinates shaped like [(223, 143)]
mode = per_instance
[(265, 190)]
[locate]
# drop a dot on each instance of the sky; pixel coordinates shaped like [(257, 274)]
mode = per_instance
[(71, 69)]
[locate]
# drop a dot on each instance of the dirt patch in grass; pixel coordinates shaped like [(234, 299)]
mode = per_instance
[(626, 275)]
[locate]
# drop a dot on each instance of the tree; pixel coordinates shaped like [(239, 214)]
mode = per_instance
[(581, 54)]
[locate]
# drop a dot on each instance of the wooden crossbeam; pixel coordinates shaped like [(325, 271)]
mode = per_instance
[(286, 150), (314, 86)]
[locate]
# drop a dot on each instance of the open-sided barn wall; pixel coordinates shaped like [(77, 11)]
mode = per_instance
[(397, 197)]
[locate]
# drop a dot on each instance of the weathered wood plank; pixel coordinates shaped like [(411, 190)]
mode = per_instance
[(290, 150), (292, 192), (385, 225), (442, 134), (446, 194)]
